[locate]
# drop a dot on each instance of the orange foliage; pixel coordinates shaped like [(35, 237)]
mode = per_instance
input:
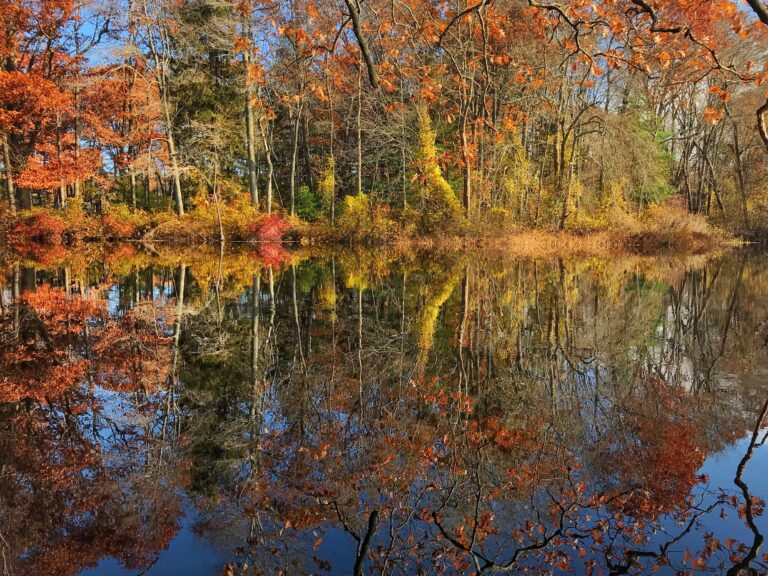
[(27, 100), (43, 227)]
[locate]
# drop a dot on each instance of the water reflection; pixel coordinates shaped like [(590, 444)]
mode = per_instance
[(371, 414)]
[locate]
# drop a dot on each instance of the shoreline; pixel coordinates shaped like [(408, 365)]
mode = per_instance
[(524, 243), (37, 231)]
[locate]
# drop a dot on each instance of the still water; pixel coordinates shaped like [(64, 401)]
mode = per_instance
[(372, 413)]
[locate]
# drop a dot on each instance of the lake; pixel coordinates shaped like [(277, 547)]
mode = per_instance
[(313, 412)]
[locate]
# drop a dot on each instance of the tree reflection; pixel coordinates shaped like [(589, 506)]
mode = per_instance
[(367, 415), (83, 471)]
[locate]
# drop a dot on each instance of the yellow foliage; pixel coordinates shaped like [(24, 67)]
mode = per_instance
[(327, 296), (499, 219), (120, 221), (434, 299), (519, 176), (592, 212), (237, 215), (441, 209), (364, 219), (615, 195), (326, 185), (363, 269)]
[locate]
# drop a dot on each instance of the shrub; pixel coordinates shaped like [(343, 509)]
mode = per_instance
[(269, 228), (39, 226), (499, 220), (120, 222), (364, 219), (78, 220), (653, 193), (671, 226), (237, 216)]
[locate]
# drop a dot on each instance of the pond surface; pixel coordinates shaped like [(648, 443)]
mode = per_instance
[(370, 413)]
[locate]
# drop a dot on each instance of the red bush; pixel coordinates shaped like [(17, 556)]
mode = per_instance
[(269, 228)]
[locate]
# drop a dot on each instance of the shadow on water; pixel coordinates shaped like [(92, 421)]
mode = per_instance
[(360, 413)]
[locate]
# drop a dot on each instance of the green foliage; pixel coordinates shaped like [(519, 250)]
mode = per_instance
[(205, 85), (307, 204), (653, 193), (636, 155), (308, 275)]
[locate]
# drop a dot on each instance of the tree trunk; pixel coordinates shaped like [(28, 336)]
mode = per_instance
[(216, 200), (60, 198), (9, 186), (128, 104), (310, 176), (467, 190), (133, 187), (740, 177), (331, 131), (79, 54), (462, 331), (359, 135), (161, 55), (357, 28), (16, 295), (255, 408), (294, 154), (365, 544), (255, 314), (270, 166), (762, 123), (177, 324), (567, 186), (565, 194), (715, 182), (179, 198), (23, 199), (250, 132), (76, 184), (148, 181)]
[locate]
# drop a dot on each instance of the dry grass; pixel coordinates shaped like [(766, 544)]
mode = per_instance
[(665, 229), (525, 243), (542, 244), (660, 230), (670, 228)]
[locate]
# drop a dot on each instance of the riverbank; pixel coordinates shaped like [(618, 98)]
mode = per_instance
[(666, 232), (672, 231)]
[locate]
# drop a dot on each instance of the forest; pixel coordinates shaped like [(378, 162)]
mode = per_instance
[(378, 120), (383, 287)]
